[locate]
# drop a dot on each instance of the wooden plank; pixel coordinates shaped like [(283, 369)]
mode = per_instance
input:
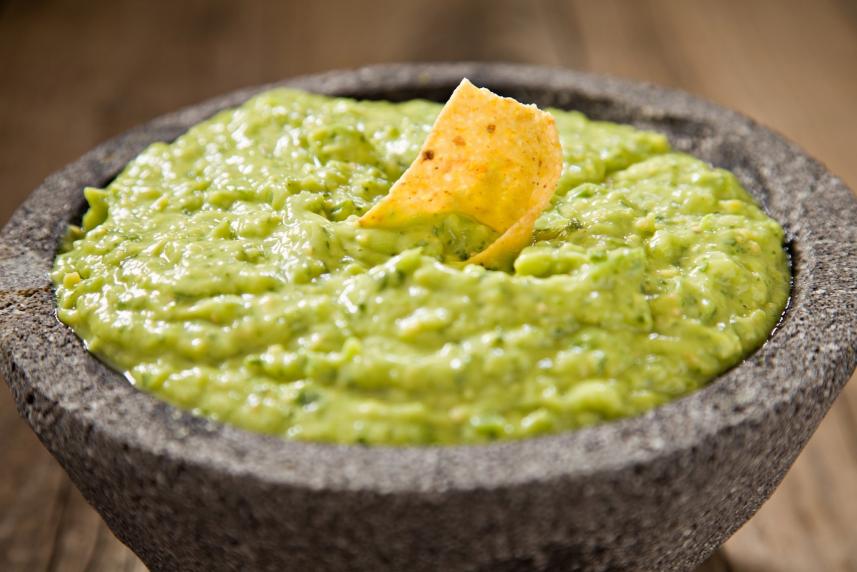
[(85, 544), (34, 494)]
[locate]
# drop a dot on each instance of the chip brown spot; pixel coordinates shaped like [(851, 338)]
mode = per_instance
[(458, 140), (428, 155), (491, 127)]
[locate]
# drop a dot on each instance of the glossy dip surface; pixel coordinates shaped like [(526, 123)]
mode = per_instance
[(225, 273)]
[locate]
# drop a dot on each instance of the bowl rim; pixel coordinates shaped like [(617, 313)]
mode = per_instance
[(765, 382)]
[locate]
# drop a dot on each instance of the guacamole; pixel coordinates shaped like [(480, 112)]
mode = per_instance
[(226, 274)]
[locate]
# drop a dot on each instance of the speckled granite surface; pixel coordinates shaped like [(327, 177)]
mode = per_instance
[(658, 492)]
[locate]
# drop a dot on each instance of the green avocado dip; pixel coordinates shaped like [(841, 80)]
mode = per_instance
[(225, 273)]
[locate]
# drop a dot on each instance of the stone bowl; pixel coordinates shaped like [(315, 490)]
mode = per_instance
[(656, 492)]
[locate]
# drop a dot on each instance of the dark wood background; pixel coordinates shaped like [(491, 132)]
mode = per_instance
[(75, 73)]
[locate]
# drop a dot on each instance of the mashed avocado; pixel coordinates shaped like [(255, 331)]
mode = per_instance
[(226, 274)]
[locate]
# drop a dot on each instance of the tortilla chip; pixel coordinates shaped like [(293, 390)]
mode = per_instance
[(487, 157)]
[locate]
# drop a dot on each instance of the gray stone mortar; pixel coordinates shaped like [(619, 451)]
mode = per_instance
[(656, 492)]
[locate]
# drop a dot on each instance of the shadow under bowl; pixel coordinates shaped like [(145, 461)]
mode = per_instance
[(656, 492)]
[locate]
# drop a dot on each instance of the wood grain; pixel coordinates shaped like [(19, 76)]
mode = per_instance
[(73, 74)]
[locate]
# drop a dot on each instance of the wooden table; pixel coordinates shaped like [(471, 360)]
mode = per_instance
[(74, 73)]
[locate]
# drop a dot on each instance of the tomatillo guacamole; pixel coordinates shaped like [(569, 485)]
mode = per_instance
[(226, 274)]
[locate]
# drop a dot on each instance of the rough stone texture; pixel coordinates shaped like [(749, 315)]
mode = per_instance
[(657, 492)]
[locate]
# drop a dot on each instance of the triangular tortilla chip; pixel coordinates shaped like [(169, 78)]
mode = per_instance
[(487, 157)]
